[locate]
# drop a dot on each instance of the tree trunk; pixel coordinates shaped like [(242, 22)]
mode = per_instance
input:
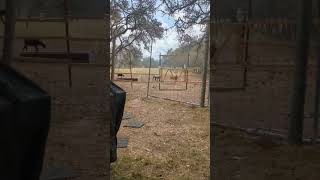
[(113, 58), (205, 70)]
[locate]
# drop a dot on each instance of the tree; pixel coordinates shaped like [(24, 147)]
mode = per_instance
[(133, 23), (136, 56), (195, 49), (188, 14)]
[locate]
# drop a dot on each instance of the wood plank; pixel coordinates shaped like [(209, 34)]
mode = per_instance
[(58, 38)]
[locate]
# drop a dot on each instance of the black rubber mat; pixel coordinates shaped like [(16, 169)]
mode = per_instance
[(132, 123), (122, 142), (127, 115)]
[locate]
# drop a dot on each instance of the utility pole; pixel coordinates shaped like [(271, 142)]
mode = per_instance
[(205, 69), (300, 73), (9, 31)]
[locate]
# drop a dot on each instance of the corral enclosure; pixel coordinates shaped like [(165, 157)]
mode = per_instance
[(79, 132), (186, 89), (171, 77)]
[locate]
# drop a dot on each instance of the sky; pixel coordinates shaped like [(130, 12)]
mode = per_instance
[(170, 39)]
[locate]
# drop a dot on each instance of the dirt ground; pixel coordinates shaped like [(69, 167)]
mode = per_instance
[(173, 144), (240, 156), (178, 91)]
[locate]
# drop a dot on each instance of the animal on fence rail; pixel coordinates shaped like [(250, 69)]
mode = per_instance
[(34, 43), (156, 78), (120, 75)]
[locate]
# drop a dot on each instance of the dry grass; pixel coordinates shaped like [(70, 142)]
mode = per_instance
[(173, 144)]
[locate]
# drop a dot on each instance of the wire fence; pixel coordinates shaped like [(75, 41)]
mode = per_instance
[(185, 89)]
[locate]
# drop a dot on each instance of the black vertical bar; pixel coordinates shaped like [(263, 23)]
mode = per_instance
[(66, 20), (316, 103), (247, 38), (317, 89), (300, 74), (108, 116), (214, 173), (9, 32)]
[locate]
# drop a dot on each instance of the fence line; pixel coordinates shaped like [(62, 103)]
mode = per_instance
[(190, 96)]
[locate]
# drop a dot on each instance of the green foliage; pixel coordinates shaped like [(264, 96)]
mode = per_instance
[(134, 23)]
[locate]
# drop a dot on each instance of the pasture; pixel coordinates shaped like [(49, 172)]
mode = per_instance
[(186, 89)]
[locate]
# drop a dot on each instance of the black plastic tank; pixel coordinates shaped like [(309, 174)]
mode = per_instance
[(118, 100), (24, 125)]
